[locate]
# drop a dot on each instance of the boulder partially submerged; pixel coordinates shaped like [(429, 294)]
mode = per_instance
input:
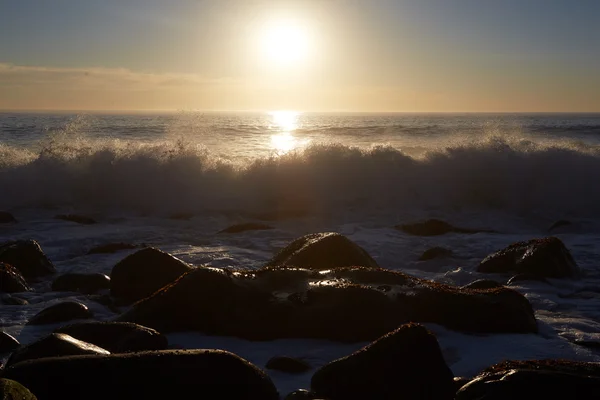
[(61, 312), (26, 256), (435, 227), (11, 280)]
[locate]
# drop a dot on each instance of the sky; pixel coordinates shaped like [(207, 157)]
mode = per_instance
[(306, 55)]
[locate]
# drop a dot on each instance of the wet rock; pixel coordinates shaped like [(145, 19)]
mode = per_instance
[(53, 345), (436, 252), (524, 380), (526, 277), (6, 217), (142, 273), (248, 226), (460, 381), (322, 251), (11, 390), (406, 363), (302, 394), (117, 337), (83, 283), (8, 343), (558, 224), (351, 304), (483, 284), (288, 364), (13, 300), (152, 375), (547, 257), (110, 248), (61, 312), (11, 280), (80, 219), (26, 256), (435, 227)]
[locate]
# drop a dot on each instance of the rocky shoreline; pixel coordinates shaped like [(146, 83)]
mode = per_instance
[(320, 286)]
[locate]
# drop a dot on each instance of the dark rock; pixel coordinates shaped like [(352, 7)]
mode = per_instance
[(182, 216), (435, 227), (83, 283), (321, 251), (11, 280), (558, 224), (540, 379), (288, 364), (65, 311), (344, 304), (435, 252), (26, 256), (8, 343), (460, 381), (483, 284), (526, 277), (6, 217), (248, 226), (117, 337), (106, 301), (11, 390), (13, 300), (151, 375), (111, 248), (404, 364), (302, 394), (53, 345), (547, 257), (80, 219), (142, 273)]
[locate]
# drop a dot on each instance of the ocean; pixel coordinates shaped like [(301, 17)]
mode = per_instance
[(173, 180)]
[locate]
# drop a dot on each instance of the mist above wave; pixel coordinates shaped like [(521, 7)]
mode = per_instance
[(495, 172)]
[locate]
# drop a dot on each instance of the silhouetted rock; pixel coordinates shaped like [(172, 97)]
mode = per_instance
[(11, 390), (248, 226), (349, 304), (80, 219), (53, 345), (288, 364), (13, 300), (61, 312), (547, 257), (404, 364), (321, 251), (142, 273), (302, 394), (6, 217), (117, 337), (526, 277), (83, 283), (558, 224), (483, 284), (152, 375), (540, 379), (111, 248), (11, 280), (435, 252), (26, 256), (8, 343), (435, 227), (460, 381)]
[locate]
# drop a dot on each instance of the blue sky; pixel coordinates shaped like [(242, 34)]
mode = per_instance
[(394, 54)]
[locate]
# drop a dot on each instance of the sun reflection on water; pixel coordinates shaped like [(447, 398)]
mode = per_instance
[(285, 123)]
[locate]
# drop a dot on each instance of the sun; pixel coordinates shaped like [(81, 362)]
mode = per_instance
[(285, 43)]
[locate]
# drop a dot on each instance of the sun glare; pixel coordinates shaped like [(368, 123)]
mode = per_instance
[(285, 123), (285, 43)]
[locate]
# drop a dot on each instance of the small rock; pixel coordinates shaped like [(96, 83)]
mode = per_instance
[(8, 343), (302, 394), (26, 256), (482, 284), (288, 364), (65, 311), (11, 390), (111, 248), (6, 217), (435, 227), (80, 219), (13, 300), (53, 345), (11, 280), (526, 277), (248, 226), (558, 224), (436, 252), (83, 283), (182, 216)]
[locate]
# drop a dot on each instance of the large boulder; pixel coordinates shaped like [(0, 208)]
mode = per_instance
[(435, 227), (322, 251), (83, 283), (8, 343), (26, 256), (61, 312), (540, 379), (117, 337), (151, 375), (350, 304), (11, 390), (142, 273), (53, 345), (547, 257), (404, 364), (11, 280)]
